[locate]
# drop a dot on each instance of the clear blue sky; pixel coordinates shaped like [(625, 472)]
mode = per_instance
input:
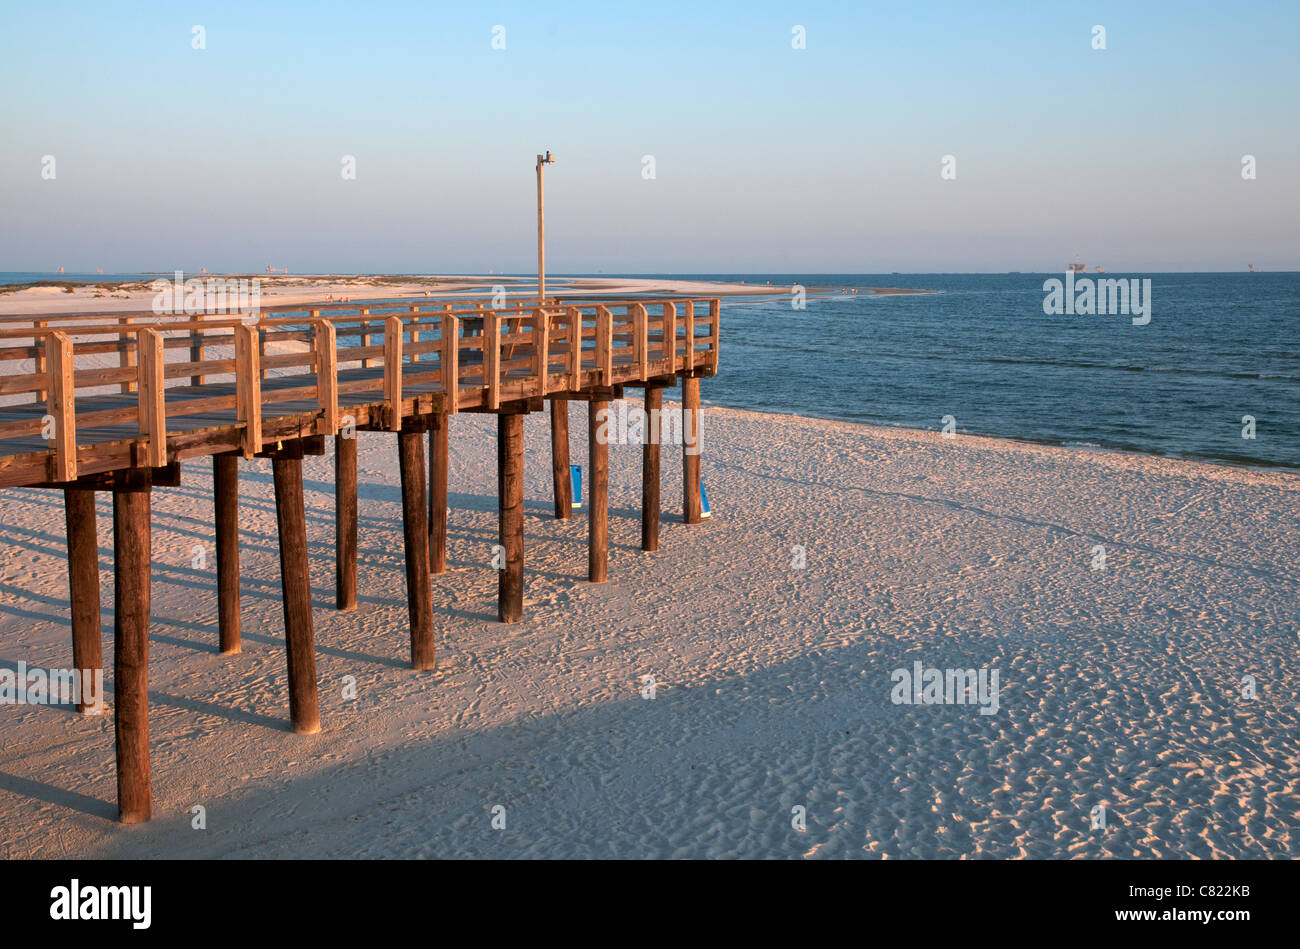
[(767, 159)]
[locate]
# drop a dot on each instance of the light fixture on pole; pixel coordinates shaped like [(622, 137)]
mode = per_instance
[(541, 230)]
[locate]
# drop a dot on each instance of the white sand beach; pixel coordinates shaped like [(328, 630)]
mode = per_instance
[(1120, 686), (278, 290)]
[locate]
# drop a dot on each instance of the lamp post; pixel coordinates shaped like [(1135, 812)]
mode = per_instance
[(541, 230)]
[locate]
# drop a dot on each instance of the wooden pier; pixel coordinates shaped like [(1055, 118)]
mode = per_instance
[(276, 384)]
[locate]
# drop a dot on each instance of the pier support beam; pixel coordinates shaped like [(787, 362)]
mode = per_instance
[(345, 522), (438, 445), (83, 588), (415, 526), (598, 507), (654, 402), (510, 495), (131, 606), (286, 467), (560, 459), (691, 446), (225, 488)]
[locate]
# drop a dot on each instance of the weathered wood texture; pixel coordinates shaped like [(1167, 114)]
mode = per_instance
[(415, 528), (131, 605), (225, 485), (598, 503), (510, 495), (345, 521), (304, 711), (83, 587), (562, 484)]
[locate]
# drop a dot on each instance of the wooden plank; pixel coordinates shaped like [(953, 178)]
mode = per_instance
[(327, 376), (61, 405), (131, 607), (248, 388), (510, 501), (304, 708), (451, 362)]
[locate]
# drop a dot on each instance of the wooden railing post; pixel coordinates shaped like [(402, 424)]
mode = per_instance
[(541, 348), (451, 362), (196, 350), (365, 335), (641, 340), (248, 388), (60, 404), (38, 361), (574, 334), (327, 376), (670, 336), (604, 346), (393, 371), (153, 411), (688, 361), (126, 353), (715, 327), (492, 357)]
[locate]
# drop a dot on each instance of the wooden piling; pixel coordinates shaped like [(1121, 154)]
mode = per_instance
[(691, 449), (131, 606), (438, 458), (286, 468), (598, 504), (510, 496), (83, 588), (225, 489), (345, 522), (654, 401), (415, 526), (560, 459)]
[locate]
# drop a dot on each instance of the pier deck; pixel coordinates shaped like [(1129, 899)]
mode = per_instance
[(115, 403)]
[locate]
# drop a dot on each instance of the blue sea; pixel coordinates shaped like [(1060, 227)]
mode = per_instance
[(1218, 348)]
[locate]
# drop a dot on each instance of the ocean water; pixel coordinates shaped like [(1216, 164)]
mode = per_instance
[(1218, 347)]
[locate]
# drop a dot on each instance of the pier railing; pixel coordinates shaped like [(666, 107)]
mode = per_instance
[(83, 394)]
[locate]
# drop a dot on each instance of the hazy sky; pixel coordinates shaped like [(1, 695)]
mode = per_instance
[(766, 158)]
